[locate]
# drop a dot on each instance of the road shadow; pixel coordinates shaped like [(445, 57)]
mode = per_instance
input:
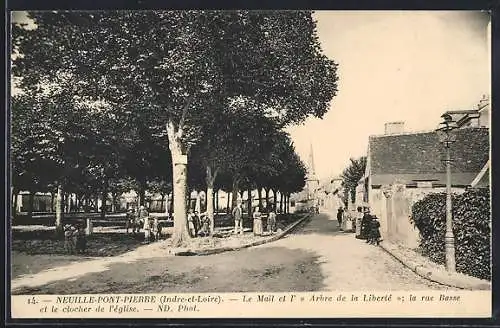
[(98, 244), (275, 269)]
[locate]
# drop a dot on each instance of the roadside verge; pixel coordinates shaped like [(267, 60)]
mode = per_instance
[(216, 250), (432, 271)]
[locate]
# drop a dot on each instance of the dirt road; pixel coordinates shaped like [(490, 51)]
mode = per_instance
[(315, 257)]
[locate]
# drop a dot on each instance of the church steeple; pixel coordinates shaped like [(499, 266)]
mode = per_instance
[(312, 182), (310, 164)]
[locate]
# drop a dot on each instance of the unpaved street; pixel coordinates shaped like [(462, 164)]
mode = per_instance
[(317, 256)]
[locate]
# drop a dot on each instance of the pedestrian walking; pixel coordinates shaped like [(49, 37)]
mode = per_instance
[(340, 214), (271, 221), (257, 222), (237, 217)]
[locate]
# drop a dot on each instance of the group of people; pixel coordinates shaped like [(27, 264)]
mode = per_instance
[(137, 220), (345, 222), (75, 240), (366, 225), (369, 227), (258, 227), (198, 225)]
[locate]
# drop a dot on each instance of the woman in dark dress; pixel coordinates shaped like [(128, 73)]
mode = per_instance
[(365, 226), (374, 231)]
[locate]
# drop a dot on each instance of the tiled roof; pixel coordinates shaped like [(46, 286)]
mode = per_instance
[(419, 156), (437, 179)]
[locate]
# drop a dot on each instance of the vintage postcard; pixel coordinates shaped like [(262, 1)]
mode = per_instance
[(250, 164)]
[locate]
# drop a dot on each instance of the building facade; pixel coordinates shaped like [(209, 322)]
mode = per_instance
[(404, 167)]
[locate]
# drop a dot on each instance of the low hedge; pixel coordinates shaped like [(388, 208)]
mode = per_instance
[(471, 227)]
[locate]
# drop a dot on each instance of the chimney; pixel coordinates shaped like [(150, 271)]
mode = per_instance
[(394, 127)]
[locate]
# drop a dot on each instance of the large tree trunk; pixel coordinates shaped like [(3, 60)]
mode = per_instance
[(171, 206), (179, 173), (210, 178), (86, 205), (52, 198), (197, 203), (284, 203), (259, 192), (274, 199), (59, 205), (113, 202), (228, 205), (267, 198), (236, 192), (167, 199), (142, 192), (288, 203), (249, 202), (104, 198), (14, 202), (68, 202), (96, 203), (216, 199), (31, 202), (281, 202)]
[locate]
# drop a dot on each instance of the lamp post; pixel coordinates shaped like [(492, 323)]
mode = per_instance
[(447, 138)]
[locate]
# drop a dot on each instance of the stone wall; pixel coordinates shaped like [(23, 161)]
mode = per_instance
[(392, 205)]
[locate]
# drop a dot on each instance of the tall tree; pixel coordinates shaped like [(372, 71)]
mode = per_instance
[(178, 65), (352, 174)]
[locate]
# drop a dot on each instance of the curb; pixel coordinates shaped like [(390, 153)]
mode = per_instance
[(255, 243), (442, 277)]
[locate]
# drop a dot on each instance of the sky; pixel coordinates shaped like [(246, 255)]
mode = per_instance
[(393, 66)]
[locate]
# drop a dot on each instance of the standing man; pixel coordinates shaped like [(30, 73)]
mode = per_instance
[(237, 216), (144, 219), (340, 214)]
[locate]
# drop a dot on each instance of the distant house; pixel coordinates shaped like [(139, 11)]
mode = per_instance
[(403, 167), (330, 194), (474, 118)]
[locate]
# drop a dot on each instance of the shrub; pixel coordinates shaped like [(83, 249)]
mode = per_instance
[(471, 227)]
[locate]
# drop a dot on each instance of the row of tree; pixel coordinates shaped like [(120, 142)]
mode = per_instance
[(351, 177), (110, 99)]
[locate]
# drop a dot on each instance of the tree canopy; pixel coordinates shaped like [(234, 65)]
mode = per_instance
[(146, 88)]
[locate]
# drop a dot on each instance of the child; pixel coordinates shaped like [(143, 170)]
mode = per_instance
[(81, 240), (69, 245), (130, 218), (205, 226), (155, 229), (271, 221)]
